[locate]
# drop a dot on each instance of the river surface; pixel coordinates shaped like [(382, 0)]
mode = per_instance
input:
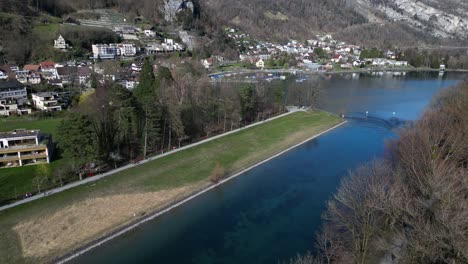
[(272, 212)]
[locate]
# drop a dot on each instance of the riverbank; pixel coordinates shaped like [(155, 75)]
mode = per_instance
[(46, 229)]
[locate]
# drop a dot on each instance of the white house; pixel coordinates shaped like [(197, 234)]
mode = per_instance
[(49, 66), (22, 147), (3, 75), (46, 102), (357, 63), (260, 64), (207, 63), (150, 33), (136, 67), (336, 58), (60, 43)]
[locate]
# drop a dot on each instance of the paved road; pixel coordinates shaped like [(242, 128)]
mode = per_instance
[(291, 110)]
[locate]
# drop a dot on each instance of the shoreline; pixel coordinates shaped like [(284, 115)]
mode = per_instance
[(133, 225), (310, 72)]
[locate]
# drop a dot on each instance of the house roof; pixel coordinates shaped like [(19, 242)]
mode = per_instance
[(20, 133), (32, 67), (336, 56), (84, 71), (47, 65), (12, 84), (67, 70), (45, 94)]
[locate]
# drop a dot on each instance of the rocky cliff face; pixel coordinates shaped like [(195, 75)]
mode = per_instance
[(441, 18), (171, 7)]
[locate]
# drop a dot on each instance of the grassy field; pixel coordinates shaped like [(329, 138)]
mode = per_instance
[(15, 182), (47, 125), (50, 227)]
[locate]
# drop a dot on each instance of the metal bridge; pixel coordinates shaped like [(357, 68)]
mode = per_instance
[(390, 121)]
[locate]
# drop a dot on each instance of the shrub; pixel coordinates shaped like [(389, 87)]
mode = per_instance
[(218, 173)]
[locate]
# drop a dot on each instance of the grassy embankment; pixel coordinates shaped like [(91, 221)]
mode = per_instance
[(17, 181), (50, 227)]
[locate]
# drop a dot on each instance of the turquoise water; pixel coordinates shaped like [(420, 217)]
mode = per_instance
[(273, 211)]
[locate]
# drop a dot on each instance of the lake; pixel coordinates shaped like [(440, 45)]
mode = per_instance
[(273, 211)]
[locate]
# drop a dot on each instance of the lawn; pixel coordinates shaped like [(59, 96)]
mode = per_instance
[(15, 182), (50, 227), (45, 125)]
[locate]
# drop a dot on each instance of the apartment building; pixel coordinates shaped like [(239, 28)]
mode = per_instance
[(46, 102), (23, 147), (11, 107), (112, 51), (13, 90)]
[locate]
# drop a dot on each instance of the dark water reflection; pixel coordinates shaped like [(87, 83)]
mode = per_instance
[(272, 212)]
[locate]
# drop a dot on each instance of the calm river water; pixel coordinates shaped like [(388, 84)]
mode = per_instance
[(272, 212)]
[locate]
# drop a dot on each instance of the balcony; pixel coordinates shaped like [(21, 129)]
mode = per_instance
[(23, 148), (9, 159)]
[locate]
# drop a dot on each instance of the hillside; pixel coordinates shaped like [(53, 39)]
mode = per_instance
[(383, 22), (380, 23)]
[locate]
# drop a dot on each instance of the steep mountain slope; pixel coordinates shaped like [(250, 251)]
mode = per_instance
[(440, 18), (282, 19)]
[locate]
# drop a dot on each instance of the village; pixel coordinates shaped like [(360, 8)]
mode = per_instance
[(321, 54)]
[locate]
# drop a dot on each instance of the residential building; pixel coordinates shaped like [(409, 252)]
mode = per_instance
[(34, 78), (56, 82), (169, 45), (104, 51), (13, 90), (112, 51), (23, 147), (136, 67), (32, 67), (84, 74), (46, 102), (60, 43), (127, 50), (151, 33), (3, 75), (49, 66), (10, 107), (260, 64), (68, 74), (207, 63), (22, 76), (336, 58)]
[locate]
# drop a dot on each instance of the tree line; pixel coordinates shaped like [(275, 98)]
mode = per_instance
[(169, 108), (412, 206)]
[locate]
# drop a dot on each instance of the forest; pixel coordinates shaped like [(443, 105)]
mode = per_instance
[(412, 205)]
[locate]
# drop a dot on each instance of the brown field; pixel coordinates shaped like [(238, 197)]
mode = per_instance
[(70, 226)]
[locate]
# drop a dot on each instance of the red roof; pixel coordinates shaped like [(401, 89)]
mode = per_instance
[(336, 56), (47, 65), (31, 67)]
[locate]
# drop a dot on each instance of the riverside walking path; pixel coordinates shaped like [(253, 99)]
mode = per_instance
[(132, 165)]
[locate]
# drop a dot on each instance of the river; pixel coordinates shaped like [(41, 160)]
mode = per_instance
[(273, 211)]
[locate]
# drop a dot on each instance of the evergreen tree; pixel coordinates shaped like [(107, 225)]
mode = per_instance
[(146, 94), (248, 102), (77, 139)]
